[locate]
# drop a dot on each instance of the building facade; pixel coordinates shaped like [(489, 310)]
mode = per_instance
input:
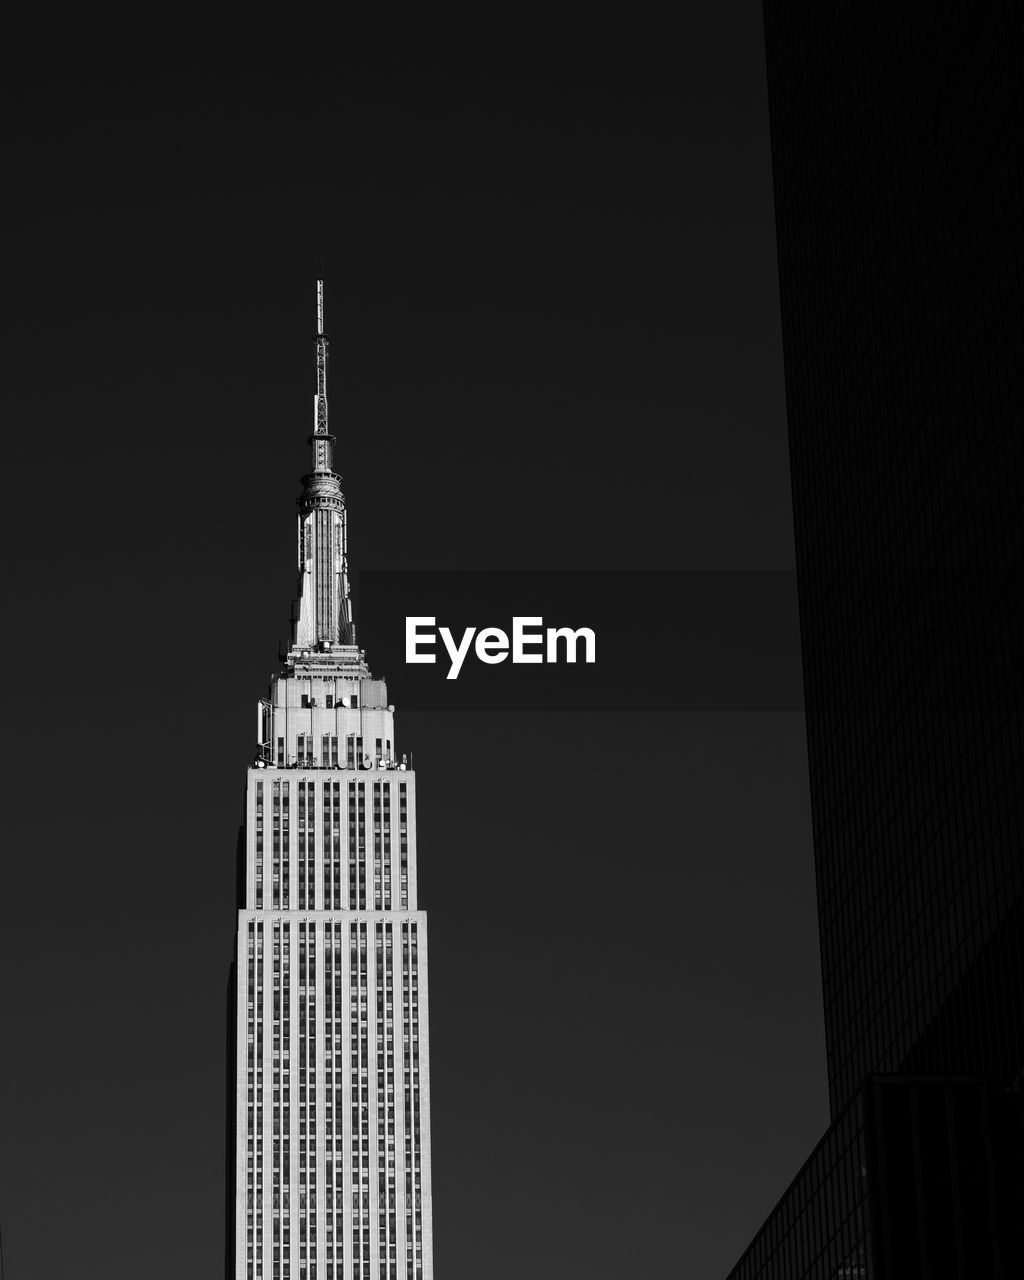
[(901, 261), (331, 1137)]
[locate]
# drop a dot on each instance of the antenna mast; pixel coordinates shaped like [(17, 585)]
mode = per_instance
[(320, 420)]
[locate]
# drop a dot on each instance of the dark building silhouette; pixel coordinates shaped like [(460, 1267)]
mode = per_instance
[(897, 144)]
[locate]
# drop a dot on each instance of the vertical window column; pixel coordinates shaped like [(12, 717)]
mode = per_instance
[(328, 836), (389, 1022), (403, 846), (357, 846), (285, 844), (381, 1189), (417, 1147), (360, 1106), (340, 1095), (377, 847), (250, 1098), (275, 836), (386, 838), (333, 1100), (353, 887), (361, 843), (335, 843), (407, 1097), (411, 1091), (259, 845), (303, 1099), (353, 1004), (307, 1100), (310, 1082), (286, 1128), (386, 1190), (302, 843), (311, 845), (260, 1033), (275, 1168)]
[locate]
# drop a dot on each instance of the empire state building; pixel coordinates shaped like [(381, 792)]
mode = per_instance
[(331, 1168)]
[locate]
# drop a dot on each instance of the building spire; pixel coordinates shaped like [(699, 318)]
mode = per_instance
[(324, 617)]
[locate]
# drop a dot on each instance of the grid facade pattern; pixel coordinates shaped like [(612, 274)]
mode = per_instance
[(821, 1228), (348, 847), (899, 207), (332, 1149), (944, 1177), (899, 203), (334, 1165), (915, 1180)]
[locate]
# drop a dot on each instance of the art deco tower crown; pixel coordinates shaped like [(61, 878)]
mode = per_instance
[(324, 617)]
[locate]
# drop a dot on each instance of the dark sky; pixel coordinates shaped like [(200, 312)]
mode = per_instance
[(553, 306)]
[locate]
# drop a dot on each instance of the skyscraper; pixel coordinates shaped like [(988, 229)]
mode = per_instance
[(899, 215), (331, 1139)]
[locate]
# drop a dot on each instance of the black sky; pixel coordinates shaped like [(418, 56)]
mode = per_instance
[(553, 308)]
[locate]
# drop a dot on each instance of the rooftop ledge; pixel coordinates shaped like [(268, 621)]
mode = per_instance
[(367, 762)]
